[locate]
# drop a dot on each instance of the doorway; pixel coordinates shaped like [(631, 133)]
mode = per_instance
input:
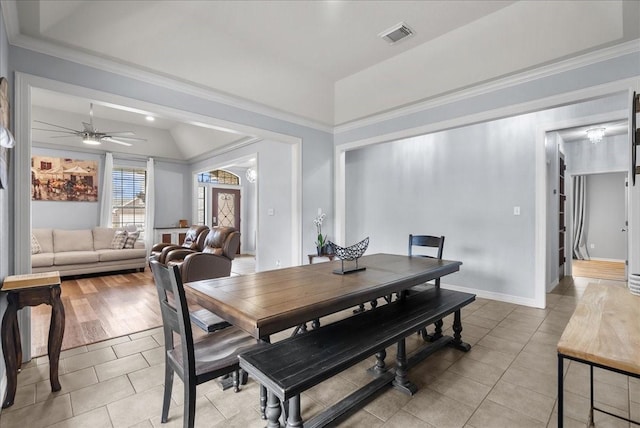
[(602, 252), (226, 208)]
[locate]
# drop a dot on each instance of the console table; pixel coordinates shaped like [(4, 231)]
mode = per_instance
[(31, 290), (603, 332), (313, 256)]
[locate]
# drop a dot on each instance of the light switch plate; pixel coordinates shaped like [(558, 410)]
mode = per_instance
[(270, 211), (516, 210)]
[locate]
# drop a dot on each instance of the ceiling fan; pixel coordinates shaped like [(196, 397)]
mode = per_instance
[(90, 135)]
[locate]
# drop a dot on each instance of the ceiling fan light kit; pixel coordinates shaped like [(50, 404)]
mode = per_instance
[(90, 135), (88, 139)]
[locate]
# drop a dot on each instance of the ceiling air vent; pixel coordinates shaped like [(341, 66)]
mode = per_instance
[(396, 33)]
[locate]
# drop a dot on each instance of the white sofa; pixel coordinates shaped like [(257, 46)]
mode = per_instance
[(78, 252)]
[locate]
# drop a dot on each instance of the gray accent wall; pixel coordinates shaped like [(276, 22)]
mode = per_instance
[(462, 183)]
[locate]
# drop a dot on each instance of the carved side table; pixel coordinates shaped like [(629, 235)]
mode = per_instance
[(31, 290)]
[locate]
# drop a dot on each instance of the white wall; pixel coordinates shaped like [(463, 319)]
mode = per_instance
[(463, 183), (605, 216)]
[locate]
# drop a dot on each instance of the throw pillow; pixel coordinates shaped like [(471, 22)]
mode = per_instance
[(132, 237), (119, 239), (35, 245)]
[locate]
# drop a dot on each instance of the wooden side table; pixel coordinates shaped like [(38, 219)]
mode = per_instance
[(314, 256), (31, 290)]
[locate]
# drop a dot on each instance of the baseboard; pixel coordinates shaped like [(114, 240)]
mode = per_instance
[(507, 298)]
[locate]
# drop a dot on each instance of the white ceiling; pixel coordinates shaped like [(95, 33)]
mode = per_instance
[(165, 137), (318, 60)]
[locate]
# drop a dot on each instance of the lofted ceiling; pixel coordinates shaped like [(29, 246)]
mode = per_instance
[(317, 61), (166, 137)]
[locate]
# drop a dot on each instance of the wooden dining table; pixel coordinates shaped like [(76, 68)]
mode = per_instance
[(268, 302)]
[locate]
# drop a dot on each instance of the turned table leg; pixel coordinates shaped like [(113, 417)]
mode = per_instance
[(56, 332), (9, 328)]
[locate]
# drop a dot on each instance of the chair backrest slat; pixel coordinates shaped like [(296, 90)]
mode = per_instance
[(175, 312), (427, 241)]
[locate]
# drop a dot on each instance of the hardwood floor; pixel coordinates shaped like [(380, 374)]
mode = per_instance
[(599, 269), (99, 308), (102, 307)]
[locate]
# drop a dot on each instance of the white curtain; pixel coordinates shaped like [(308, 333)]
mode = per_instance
[(107, 189), (579, 217), (150, 212)]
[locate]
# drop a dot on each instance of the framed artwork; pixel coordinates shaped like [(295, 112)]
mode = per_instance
[(63, 179)]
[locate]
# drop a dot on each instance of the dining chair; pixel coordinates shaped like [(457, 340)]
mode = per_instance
[(195, 362), (435, 244), (430, 242)]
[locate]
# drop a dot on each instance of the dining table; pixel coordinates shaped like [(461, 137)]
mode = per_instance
[(268, 302)]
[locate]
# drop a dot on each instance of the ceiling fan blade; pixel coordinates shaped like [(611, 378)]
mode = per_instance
[(111, 140), (126, 138), (54, 130), (57, 126), (63, 136), (119, 133)]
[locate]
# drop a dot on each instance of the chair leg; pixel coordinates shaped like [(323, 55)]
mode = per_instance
[(168, 387), (189, 404), (236, 381)]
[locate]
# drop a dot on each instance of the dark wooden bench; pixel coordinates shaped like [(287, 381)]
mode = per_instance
[(292, 366)]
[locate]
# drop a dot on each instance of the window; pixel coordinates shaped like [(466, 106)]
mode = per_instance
[(218, 176), (201, 208), (128, 198)]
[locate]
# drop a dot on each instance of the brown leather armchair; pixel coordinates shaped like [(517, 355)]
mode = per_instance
[(193, 240), (214, 261)]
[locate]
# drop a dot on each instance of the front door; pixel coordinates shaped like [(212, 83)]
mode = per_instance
[(226, 208)]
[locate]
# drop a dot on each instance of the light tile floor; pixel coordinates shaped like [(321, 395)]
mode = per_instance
[(508, 379)]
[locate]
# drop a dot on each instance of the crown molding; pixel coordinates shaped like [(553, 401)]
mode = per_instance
[(112, 66), (502, 83)]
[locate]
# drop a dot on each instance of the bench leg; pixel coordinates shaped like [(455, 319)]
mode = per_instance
[(294, 420), (273, 411), (437, 334), (401, 382), (380, 367), (457, 337)]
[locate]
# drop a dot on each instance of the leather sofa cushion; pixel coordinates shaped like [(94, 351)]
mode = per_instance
[(75, 257), (45, 239), (124, 254), (42, 260), (102, 237), (72, 240)]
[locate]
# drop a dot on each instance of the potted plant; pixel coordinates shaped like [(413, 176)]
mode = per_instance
[(321, 240)]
